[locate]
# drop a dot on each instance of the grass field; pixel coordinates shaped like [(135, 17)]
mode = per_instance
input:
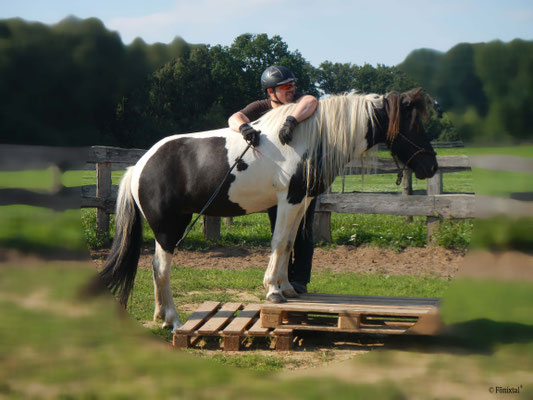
[(81, 349), (56, 345)]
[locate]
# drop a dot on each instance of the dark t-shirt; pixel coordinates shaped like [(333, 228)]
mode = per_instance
[(259, 108)]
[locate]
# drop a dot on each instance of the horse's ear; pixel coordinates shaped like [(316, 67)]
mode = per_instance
[(411, 96)]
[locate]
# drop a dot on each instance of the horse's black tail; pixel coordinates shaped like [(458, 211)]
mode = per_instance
[(121, 264)]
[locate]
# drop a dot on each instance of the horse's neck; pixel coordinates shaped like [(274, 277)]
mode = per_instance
[(378, 128)]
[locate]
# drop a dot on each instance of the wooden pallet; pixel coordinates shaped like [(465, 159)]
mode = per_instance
[(221, 320), (358, 314)]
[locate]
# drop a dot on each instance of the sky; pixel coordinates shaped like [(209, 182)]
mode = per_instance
[(345, 31)]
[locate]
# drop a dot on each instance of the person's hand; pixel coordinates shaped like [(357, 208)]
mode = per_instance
[(285, 133), (250, 134)]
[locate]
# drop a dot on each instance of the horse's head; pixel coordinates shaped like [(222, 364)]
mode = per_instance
[(406, 138)]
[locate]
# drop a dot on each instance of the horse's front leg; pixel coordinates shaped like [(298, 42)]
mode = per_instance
[(276, 276), (164, 303)]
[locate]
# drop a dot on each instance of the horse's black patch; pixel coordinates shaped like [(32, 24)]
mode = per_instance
[(179, 179), (298, 184), (376, 133), (241, 165)]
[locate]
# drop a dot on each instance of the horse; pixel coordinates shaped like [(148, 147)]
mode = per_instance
[(176, 177)]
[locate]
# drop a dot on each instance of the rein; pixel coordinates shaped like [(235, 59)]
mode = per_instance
[(215, 193), (420, 150)]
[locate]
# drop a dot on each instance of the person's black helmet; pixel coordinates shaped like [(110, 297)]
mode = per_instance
[(276, 75)]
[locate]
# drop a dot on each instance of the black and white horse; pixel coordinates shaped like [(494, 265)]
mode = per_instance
[(177, 176)]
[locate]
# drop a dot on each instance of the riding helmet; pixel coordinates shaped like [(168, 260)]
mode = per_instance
[(276, 75)]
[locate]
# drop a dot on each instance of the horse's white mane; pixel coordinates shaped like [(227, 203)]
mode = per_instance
[(338, 129)]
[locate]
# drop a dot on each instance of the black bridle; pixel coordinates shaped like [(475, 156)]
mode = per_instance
[(419, 150)]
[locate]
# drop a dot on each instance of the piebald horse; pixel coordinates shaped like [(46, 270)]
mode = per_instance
[(178, 175)]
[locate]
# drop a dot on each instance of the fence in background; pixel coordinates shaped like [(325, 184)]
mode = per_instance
[(432, 203)]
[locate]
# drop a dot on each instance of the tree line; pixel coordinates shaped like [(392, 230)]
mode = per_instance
[(75, 83), (486, 88)]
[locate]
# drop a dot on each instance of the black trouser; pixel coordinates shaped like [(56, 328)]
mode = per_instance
[(301, 258)]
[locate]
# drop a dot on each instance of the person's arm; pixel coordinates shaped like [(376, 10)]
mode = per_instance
[(236, 120), (239, 122), (305, 107)]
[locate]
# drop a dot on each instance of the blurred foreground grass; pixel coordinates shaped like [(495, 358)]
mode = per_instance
[(55, 345)]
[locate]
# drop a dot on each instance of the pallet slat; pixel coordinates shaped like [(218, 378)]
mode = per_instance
[(243, 320), (257, 329), (205, 310), (370, 300), (353, 309), (217, 321)]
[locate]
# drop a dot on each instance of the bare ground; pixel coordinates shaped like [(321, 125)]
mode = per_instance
[(312, 350), (431, 260)]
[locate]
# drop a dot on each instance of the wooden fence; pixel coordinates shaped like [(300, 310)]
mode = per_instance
[(432, 203)]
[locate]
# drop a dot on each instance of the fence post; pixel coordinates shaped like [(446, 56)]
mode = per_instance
[(407, 182), (321, 225), (211, 227), (228, 220), (407, 187), (434, 186), (103, 190)]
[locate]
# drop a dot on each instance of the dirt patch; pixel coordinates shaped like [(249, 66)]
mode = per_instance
[(435, 261), (504, 266)]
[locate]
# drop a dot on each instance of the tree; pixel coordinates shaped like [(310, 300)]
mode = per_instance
[(255, 53), (340, 78), (336, 78), (200, 89)]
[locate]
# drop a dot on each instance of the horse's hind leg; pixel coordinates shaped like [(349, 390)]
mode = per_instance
[(164, 302)]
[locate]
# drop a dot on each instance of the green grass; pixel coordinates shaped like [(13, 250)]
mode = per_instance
[(55, 345), (473, 299), (58, 346), (385, 231), (501, 183), (190, 285), (525, 150), (35, 229)]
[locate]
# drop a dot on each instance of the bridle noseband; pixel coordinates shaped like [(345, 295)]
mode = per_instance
[(419, 150)]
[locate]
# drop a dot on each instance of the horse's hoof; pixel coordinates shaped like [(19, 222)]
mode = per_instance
[(290, 294), (276, 298), (167, 325)]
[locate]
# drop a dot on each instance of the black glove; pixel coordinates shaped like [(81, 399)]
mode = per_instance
[(250, 134), (285, 133)]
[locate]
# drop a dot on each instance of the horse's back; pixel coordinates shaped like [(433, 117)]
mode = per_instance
[(181, 172)]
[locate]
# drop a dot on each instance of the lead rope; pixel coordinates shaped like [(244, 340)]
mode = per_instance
[(189, 228)]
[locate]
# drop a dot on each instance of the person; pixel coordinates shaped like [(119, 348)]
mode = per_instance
[(279, 85)]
